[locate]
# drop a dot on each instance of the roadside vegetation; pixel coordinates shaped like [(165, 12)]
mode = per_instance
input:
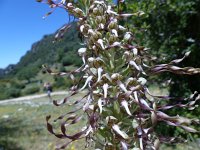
[(23, 127)]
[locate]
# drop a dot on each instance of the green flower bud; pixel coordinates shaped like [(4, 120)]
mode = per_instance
[(100, 10), (131, 81), (106, 78), (113, 25), (91, 61), (78, 12), (127, 56), (116, 76), (95, 11), (101, 44), (112, 39), (100, 19), (84, 29)]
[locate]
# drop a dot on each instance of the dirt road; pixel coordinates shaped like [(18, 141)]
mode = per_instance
[(31, 97)]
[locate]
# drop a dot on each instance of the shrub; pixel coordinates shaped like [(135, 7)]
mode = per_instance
[(71, 59), (13, 92), (61, 83), (3, 93), (31, 90), (18, 85)]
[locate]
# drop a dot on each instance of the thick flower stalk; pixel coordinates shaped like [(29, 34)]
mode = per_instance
[(121, 112)]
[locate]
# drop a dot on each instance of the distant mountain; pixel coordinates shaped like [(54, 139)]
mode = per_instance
[(26, 77), (7, 70), (2, 72), (47, 52)]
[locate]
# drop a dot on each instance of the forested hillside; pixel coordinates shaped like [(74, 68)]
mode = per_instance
[(48, 51), (16, 79)]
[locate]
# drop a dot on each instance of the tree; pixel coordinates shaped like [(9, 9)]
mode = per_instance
[(27, 73)]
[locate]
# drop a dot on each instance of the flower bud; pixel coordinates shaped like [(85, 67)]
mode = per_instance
[(94, 48), (100, 42), (114, 32), (110, 120), (132, 63), (95, 11), (91, 60), (116, 76), (131, 81), (127, 36), (106, 78), (128, 56), (109, 11), (101, 26), (70, 6), (121, 28), (135, 51), (100, 61), (82, 51), (84, 29), (157, 144), (95, 62), (112, 39), (142, 81), (91, 32), (113, 25), (100, 10), (100, 19), (95, 35), (78, 12)]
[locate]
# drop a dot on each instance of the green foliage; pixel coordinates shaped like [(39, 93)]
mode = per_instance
[(23, 128), (71, 58), (13, 92), (27, 73), (172, 29), (3, 93), (31, 90), (18, 85), (10, 88), (61, 83)]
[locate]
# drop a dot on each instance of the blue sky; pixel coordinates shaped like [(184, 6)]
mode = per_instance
[(21, 25)]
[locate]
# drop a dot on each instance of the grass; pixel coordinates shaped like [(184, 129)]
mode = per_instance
[(23, 127)]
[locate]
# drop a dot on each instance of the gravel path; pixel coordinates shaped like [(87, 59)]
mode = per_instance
[(31, 97)]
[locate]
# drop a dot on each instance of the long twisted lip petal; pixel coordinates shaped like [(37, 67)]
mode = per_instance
[(125, 105), (99, 72), (122, 86), (132, 63), (86, 82), (100, 105), (105, 89), (118, 131), (100, 41)]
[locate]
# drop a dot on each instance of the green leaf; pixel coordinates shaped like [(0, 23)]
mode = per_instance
[(116, 107)]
